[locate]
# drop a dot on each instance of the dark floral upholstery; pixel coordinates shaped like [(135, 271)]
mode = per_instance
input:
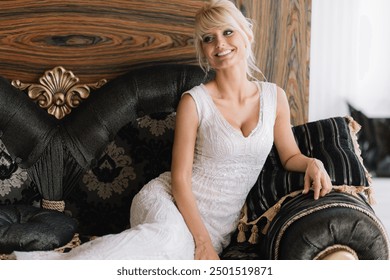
[(15, 185), (139, 153)]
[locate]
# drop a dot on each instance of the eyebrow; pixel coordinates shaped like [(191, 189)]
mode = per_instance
[(224, 28)]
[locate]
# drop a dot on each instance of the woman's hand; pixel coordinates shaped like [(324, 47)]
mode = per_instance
[(205, 251), (317, 178)]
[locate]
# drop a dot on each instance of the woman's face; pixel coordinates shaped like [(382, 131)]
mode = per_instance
[(223, 48)]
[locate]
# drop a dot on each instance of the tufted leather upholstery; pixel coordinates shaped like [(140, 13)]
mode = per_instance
[(305, 228), (28, 228)]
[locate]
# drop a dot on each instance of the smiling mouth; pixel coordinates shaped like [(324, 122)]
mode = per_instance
[(224, 53)]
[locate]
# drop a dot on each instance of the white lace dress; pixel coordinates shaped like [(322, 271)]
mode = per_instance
[(226, 166)]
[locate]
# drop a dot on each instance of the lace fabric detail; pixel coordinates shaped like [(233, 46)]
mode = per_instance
[(227, 163)]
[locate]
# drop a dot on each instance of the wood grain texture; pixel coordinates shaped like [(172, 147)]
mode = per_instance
[(95, 39), (102, 39)]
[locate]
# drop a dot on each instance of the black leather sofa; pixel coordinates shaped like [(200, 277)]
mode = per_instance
[(92, 162)]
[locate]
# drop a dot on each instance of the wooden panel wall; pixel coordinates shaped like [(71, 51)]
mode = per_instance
[(103, 39), (283, 47), (95, 39)]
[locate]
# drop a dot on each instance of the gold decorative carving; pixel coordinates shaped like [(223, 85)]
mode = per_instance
[(58, 91)]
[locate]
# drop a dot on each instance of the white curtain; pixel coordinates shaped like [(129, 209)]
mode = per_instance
[(350, 58)]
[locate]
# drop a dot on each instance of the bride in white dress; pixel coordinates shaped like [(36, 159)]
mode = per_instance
[(224, 132)]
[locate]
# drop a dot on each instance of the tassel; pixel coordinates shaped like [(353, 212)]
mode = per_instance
[(370, 195), (269, 215), (354, 125), (368, 191), (254, 238), (266, 227), (241, 233)]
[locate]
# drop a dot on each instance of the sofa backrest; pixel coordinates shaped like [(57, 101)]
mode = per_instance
[(111, 145)]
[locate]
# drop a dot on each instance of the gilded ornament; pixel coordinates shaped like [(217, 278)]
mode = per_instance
[(58, 91)]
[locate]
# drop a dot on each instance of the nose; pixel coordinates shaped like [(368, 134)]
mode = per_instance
[(220, 41)]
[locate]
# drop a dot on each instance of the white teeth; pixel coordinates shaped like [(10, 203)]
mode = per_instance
[(224, 53)]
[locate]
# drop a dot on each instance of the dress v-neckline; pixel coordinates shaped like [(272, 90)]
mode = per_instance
[(227, 123)]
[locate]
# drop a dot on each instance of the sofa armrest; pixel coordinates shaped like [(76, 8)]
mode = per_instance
[(306, 229), (28, 228)]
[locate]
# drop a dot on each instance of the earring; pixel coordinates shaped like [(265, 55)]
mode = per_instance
[(208, 68)]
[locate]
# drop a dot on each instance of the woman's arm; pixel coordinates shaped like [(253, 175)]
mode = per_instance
[(291, 157), (182, 160)]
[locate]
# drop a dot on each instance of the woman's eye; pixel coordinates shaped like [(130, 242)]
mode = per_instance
[(228, 32), (208, 39)]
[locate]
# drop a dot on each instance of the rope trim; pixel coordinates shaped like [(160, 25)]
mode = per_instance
[(58, 205), (335, 248)]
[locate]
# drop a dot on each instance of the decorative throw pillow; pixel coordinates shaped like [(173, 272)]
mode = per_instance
[(333, 141), (374, 141)]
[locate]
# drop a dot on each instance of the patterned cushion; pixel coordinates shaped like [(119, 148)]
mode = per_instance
[(333, 141)]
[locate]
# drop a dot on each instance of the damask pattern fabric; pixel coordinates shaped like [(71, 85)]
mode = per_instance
[(140, 152), (15, 184), (11, 176)]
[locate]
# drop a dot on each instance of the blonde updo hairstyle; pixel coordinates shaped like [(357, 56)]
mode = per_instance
[(223, 14)]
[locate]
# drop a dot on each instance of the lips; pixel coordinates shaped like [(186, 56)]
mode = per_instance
[(224, 53)]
